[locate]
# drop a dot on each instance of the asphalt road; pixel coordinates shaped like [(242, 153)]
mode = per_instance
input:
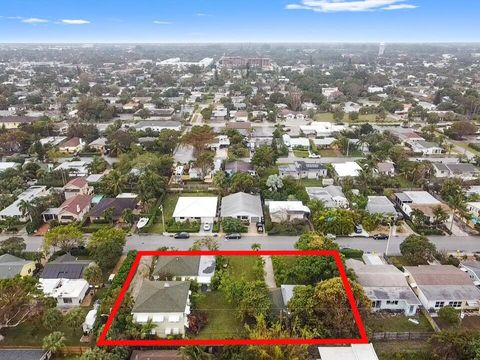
[(451, 244)]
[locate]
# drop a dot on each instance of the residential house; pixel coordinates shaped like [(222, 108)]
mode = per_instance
[(99, 144), (443, 285), (202, 208), (67, 292), (321, 129), (385, 169), (65, 267), (461, 171), (332, 196), (13, 210), (281, 211), (472, 268), (242, 206), (166, 304), (243, 128), (381, 205), (13, 122), (77, 186), (72, 145), (185, 268), (119, 205), (474, 210), (423, 201), (241, 116), (347, 169), (25, 354), (158, 126), (386, 286), (295, 143), (405, 136), (220, 142), (424, 147), (73, 209), (11, 266), (352, 352), (303, 170), (74, 168), (239, 166)]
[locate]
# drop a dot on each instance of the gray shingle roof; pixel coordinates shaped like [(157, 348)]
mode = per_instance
[(10, 266), (178, 265), (162, 297), (241, 203), (21, 354)]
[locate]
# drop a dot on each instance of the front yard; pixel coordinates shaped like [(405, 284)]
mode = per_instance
[(169, 203)]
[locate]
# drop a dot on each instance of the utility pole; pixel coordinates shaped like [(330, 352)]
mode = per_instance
[(163, 218)]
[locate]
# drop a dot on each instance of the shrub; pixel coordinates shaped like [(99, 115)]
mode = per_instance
[(449, 315), (232, 225)]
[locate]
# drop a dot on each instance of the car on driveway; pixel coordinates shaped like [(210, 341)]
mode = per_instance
[(233, 236), (380, 237), (358, 229), (182, 235), (207, 227)]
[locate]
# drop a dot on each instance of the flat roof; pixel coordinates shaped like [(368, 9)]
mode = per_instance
[(191, 207)]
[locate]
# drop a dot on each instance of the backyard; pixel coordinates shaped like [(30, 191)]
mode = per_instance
[(380, 322)]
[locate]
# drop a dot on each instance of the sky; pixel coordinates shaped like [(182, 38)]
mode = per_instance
[(203, 21)]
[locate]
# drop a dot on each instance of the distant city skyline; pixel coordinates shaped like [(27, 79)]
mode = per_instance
[(205, 21)]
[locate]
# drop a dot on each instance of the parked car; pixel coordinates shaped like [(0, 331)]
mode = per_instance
[(207, 227), (358, 229), (260, 227), (380, 237), (233, 236), (313, 156), (182, 235)]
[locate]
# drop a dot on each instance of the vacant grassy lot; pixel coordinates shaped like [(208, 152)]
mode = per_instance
[(361, 119), (222, 322), (301, 153)]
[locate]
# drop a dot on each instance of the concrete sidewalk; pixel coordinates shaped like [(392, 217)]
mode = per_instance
[(268, 272)]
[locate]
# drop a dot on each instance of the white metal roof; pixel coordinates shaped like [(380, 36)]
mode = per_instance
[(190, 207)]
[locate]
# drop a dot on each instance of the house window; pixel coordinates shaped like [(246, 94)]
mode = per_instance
[(67, 301), (439, 304), (176, 331), (455, 304), (392, 302)]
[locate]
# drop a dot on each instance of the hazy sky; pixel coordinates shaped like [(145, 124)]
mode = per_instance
[(239, 20)]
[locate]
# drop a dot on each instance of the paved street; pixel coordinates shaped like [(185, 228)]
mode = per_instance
[(451, 244)]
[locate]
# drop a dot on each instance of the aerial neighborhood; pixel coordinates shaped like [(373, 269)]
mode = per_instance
[(108, 152)]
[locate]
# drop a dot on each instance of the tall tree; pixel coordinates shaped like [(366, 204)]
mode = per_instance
[(64, 237), (106, 246), (54, 342)]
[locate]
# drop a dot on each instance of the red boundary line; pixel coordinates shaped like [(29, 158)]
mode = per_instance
[(363, 339)]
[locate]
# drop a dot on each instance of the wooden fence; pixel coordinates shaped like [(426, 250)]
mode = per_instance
[(401, 336)]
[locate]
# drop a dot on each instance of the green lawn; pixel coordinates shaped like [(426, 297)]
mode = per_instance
[(31, 333), (361, 119), (397, 323), (242, 266), (222, 322), (169, 203), (411, 350), (328, 153), (311, 182), (301, 153)]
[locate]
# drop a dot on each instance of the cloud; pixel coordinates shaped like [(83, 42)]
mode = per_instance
[(400, 7), (75, 22), (349, 5), (204, 15), (159, 22), (34, 21)]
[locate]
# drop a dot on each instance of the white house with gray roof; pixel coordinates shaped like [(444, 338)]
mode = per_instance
[(242, 206), (437, 286), (386, 287), (380, 205), (332, 196), (166, 304), (461, 171)]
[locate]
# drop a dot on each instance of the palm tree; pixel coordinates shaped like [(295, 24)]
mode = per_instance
[(256, 246), (127, 216), (26, 208), (108, 215), (115, 182), (147, 329), (54, 342), (194, 353)]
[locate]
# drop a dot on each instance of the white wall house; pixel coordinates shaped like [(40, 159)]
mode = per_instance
[(437, 286), (385, 286), (186, 268), (67, 292), (203, 209), (166, 303), (242, 206), (13, 210), (281, 211)]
